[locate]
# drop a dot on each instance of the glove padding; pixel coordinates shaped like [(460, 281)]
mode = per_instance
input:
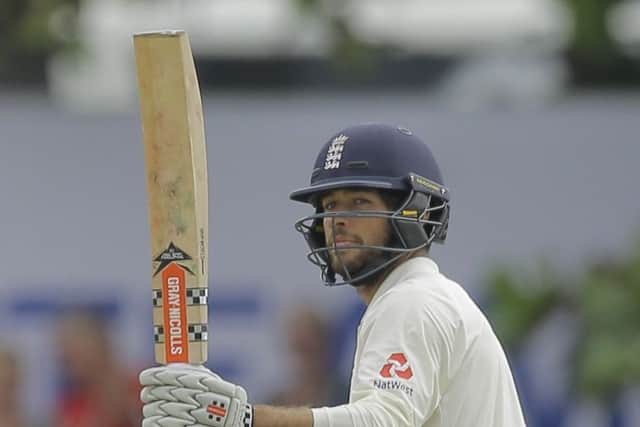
[(181, 395)]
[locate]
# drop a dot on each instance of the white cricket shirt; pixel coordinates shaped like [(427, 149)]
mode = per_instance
[(426, 356)]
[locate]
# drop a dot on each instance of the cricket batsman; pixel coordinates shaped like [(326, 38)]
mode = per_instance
[(426, 356)]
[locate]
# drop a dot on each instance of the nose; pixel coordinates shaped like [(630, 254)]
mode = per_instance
[(337, 221), (335, 226)]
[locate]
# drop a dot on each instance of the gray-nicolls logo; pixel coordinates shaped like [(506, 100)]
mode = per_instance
[(334, 154)]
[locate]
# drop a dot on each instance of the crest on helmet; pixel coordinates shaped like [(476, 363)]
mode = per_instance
[(334, 153)]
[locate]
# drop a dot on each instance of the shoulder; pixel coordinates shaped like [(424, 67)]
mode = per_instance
[(426, 299), (407, 307), (419, 291)]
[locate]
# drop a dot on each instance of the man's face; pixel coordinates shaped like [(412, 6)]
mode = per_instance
[(348, 231)]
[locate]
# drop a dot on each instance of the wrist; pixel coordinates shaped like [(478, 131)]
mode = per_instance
[(274, 416)]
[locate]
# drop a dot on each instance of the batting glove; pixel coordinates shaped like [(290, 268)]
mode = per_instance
[(182, 395)]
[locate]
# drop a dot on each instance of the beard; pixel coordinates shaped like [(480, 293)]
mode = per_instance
[(350, 263)]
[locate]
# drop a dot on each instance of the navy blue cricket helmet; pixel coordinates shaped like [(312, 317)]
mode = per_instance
[(394, 161)]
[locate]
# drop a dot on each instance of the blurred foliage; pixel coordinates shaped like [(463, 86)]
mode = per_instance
[(350, 56), (610, 348), (25, 37), (591, 38), (594, 57), (520, 301), (27, 40), (605, 298)]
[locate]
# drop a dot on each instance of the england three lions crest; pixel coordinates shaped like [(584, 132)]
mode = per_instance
[(334, 154)]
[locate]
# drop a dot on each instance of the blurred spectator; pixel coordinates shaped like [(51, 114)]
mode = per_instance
[(97, 392), (10, 385), (313, 380)]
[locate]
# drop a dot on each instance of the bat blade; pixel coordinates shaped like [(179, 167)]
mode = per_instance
[(176, 167)]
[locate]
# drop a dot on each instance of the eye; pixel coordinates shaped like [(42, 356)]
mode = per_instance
[(330, 205), (360, 201)]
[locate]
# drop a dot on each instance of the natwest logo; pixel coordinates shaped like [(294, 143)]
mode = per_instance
[(397, 366)]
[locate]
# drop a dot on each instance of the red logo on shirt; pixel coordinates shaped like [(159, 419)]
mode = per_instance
[(397, 366)]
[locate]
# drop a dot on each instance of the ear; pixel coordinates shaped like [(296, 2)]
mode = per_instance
[(392, 199)]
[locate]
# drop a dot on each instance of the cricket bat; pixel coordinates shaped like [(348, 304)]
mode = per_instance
[(176, 168)]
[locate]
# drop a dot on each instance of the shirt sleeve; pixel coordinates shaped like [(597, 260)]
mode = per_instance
[(400, 374)]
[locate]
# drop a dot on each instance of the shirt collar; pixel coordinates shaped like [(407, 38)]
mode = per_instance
[(402, 271)]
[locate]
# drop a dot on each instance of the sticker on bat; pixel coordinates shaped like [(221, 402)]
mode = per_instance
[(175, 314), (169, 255)]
